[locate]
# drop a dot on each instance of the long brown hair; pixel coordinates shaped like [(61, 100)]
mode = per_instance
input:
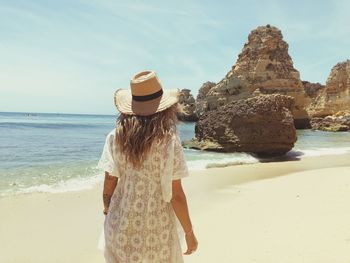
[(135, 134)]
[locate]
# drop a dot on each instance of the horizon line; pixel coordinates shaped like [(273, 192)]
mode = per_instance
[(66, 113)]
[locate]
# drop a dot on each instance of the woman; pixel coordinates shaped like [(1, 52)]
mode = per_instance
[(144, 162)]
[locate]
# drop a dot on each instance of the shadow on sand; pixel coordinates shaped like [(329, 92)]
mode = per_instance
[(289, 156)]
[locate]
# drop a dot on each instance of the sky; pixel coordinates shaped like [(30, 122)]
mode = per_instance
[(70, 56)]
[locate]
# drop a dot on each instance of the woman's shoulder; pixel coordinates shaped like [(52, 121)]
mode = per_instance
[(172, 140), (111, 134), (110, 141), (176, 136)]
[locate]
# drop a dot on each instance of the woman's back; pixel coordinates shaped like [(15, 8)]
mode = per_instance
[(143, 162), (140, 223)]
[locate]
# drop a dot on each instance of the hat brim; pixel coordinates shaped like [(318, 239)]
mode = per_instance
[(125, 104)]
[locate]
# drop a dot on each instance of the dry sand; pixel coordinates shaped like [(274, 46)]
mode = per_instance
[(295, 211)]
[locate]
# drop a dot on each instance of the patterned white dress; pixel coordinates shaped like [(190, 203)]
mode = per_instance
[(140, 226)]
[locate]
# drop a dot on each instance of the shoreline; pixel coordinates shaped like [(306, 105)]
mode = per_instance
[(89, 183), (65, 227)]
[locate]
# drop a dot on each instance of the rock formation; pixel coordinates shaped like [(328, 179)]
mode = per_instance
[(262, 124), (312, 89), (337, 122), (263, 67), (336, 95), (201, 102), (188, 106)]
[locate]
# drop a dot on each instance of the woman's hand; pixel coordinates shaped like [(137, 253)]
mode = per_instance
[(192, 243), (105, 211), (179, 204)]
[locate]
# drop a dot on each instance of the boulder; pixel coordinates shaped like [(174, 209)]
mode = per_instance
[(188, 106), (262, 125)]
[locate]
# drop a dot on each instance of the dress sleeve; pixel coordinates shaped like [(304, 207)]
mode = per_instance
[(108, 161), (180, 165)]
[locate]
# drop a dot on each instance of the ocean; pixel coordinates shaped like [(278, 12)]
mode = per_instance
[(45, 152)]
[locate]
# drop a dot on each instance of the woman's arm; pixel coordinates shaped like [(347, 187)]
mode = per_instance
[(109, 185), (179, 203)]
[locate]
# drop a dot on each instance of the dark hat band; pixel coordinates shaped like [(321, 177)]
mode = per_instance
[(149, 96)]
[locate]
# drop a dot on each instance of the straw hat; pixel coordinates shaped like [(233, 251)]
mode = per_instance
[(146, 96)]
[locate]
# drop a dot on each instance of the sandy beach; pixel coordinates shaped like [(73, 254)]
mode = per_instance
[(291, 211)]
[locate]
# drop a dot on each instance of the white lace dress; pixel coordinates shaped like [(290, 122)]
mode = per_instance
[(140, 226)]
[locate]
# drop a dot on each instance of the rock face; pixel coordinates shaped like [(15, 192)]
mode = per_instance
[(201, 102), (263, 67), (188, 105), (336, 95), (312, 89), (338, 122), (262, 124)]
